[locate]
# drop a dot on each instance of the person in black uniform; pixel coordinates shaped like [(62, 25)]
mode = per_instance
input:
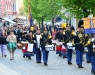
[(79, 41), (30, 39), (91, 51), (46, 40), (37, 44), (88, 57), (59, 36), (68, 38)]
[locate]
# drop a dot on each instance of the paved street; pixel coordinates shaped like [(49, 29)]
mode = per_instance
[(56, 66)]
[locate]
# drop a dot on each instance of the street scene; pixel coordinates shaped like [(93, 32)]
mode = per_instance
[(47, 37)]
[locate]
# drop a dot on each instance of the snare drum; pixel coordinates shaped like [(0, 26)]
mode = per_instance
[(24, 46), (49, 48), (69, 46), (58, 47)]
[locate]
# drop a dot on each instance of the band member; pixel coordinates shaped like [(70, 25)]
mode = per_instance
[(79, 41), (68, 38), (46, 40), (59, 37), (88, 56), (38, 49), (30, 39), (24, 36), (91, 46)]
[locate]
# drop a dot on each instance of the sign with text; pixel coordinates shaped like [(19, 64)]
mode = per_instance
[(89, 25)]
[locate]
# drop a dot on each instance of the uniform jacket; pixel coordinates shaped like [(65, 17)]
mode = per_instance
[(78, 45)]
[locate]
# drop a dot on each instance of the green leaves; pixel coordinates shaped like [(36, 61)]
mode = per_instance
[(80, 8), (46, 9)]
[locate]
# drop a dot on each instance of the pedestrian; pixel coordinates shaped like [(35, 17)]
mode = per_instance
[(12, 42), (3, 43)]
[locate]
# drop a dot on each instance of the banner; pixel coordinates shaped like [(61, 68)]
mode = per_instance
[(89, 25)]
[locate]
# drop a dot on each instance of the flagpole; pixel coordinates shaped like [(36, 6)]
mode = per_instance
[(29, 11)]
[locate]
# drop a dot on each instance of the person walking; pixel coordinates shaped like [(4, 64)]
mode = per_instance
[(3, 43), (12, 42)]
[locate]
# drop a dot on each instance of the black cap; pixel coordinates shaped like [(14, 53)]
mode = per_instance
[(64, 28), (72, 28), (30, 31), (60, 28), (80, 24)]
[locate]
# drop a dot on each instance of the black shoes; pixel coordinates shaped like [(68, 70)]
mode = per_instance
[(12, 58), (29, 58), (69, 63), (93, 72), (5, 55), (45, 64), (39, 62), (64, 57), (60, 55), (80, 66), (88, 61)]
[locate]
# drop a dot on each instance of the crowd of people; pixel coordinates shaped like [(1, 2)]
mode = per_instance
[(10, 36)]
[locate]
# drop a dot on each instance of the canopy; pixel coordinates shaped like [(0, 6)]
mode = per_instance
[(9, 20)]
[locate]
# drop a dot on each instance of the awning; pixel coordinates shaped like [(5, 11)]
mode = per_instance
[(9, 20)]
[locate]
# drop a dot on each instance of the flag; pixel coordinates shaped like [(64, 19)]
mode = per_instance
[(31, 20)]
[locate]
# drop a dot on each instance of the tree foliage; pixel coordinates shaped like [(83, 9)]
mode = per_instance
[(46, 9), (80, 8)]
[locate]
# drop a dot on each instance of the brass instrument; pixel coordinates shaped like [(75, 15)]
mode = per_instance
[(88, 40), (73, 33), (73, 42), (82, 38), (49, 36)]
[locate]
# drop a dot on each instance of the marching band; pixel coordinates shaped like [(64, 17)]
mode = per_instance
[(65, 41)]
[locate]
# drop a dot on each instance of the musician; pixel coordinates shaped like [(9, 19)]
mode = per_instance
[(88, 57), (68, 38), (30, 39), (46, 40), (24, 36), (79, 41), (59, 36), (38, 51), (91, 51)]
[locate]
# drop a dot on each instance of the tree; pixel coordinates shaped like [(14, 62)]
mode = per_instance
[(44, 9), (80, 8)]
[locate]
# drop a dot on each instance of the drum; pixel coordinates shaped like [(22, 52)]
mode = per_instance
[(24, 46), (69, 46), (58, 47), (49, 48), (19, 45)]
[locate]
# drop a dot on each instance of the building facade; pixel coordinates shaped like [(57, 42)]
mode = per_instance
[(8, 8)]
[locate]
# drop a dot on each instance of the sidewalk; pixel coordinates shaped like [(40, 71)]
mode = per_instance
[(4, 70)]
